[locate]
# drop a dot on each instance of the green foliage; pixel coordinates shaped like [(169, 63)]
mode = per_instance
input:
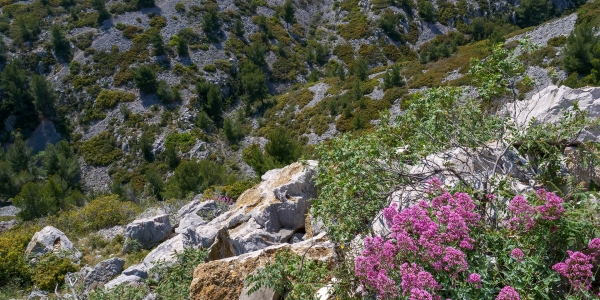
[(282, 147), (210, 99), (392, 78), (145, 3), (180, 7), (194, 177), (180, 141), (100, 213), (256, 159), (292, 275), (389, 23), (289, 11), (534, 12), (254, 81), (361, 69), (171, 157), (236, 189), (175, 279), (233, 130), (166, 94), (100, 150), (110, 98), (18, 155), (238, 28), (145, 79), (122, 291), (44, 95), (39, 200), (441, 47), (345, 52), (14, 85), (100, 7), (158, 22), (50, 271), (61, 45), (426, 10), (356, 28), (578, 51), (256, 53), (14, 268), (210, 21), (61, 160)]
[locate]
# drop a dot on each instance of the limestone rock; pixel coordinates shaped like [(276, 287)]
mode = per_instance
[(123, 279), (7, 225), (264, 293), (224, 279), (50, 239), (103, 272), (549, 105), (149, 232), (166, 251)]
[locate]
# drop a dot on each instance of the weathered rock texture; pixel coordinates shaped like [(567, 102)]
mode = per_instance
[(224, 279), (50, 239), (269, 214), (150, 231), (103, 272)]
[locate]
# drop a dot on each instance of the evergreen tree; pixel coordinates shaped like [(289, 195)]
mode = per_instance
[(238, 28), (61, 45), (30, 202), (282, 147), (146, 141), (289, 11), (171, 156), (392, 78), (44, 95), (155, 182), (254, 81), (61, 160), (256, 159), (145, 3), (19, 155), (210, 99), (2, 51), (256, 54), (361, 69), (426, 10), (578, 50), (100, 7), (210, 21), (145, 79), (14, 84), (533, 12)]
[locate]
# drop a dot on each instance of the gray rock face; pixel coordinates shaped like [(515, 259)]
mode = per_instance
[(50, 239), (166, 251), (7, 225), (149, 232), (103, 272), (123, 279), (264, 293), (549, 105)]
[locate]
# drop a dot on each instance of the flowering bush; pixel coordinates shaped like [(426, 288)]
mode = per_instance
[(441, 248)]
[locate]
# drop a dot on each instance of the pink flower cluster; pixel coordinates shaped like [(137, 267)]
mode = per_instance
[(429, 234), (577, 269), (508, 293), (525, 215), (517, 254)]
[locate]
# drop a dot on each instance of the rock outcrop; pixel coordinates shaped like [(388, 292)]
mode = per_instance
[(550, 104), (225, 279), (149, 232), (271, 213), (51, 240), (103, 272)]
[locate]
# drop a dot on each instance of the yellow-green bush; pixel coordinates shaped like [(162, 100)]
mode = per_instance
[(181, 141), (236, 189), (345, 52), (391, 52), (50, 271), (100, 150), (102, 212), (110, 98), (13, 266), (356, 28)]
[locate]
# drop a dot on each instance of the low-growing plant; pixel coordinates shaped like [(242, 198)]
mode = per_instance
[(49, 271)]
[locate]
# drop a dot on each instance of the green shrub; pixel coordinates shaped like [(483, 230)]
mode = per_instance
[(236, 189), (209, 68), (557, 41), (181, 141), (14, 268), (356, 28), (194, 177), (345, 52), (256, 159), (131, 31), (180, 7), (158, 22), (110, 98), (175, 279), (50, 271), (100, 213), (100, 150), (145, 79)]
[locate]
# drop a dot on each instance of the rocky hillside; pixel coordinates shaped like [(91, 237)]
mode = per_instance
[(143, 138)]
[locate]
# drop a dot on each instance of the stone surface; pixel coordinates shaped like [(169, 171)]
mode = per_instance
[(7, 225), (549, 105), (167, 250), (50, 239), (224, 279), (264, 293), (103, 272), (149, 232), (123, 279)]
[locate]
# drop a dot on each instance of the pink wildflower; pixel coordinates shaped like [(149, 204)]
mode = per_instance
[(420, 294), (475, 279), (577, 269), (455, 261), (523, 214), (552, 208), (414, 277), (508, 293), (433, 185), (517, 254)]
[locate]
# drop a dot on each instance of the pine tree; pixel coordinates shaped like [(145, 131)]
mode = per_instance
[(61, 45), (145, 79), (44, 95), (578, 50), (210, 21), (289, 11)]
